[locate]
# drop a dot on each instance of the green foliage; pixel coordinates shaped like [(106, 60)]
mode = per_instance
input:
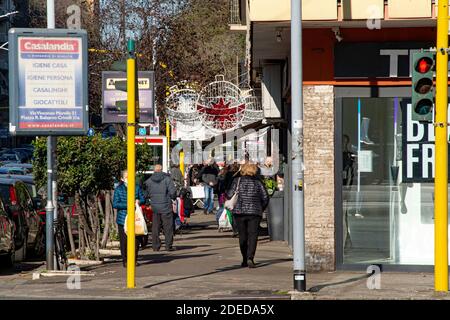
[(84, 164), (144, 155), (87, 164), (270, 185)]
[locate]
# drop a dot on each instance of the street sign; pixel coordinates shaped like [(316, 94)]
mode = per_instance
[(114, 100), (90, 132), (142, 131), (48, 82)]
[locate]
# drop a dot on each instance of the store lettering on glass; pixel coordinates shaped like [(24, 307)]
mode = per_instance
[(394, 55), (418, 148)]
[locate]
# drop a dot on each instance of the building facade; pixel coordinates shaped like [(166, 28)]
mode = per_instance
[(368, 166)]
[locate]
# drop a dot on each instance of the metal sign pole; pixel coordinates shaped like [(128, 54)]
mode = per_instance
[(50, 164)]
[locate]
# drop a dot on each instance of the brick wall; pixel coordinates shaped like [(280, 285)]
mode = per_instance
[(319, 177)]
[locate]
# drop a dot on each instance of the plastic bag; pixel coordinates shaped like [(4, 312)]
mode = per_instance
[(140, 226), (224, 222)]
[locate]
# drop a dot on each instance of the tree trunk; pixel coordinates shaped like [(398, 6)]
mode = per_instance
[(107, 219), (68, 213), (80, 241)]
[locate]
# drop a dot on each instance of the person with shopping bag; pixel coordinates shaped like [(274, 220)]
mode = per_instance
[(247, 199), (120, 203), (161, 191)]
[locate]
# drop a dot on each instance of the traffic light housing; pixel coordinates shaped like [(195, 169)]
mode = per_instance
[(422, 86)]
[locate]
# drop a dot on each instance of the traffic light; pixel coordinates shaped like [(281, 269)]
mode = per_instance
[(422, 86)]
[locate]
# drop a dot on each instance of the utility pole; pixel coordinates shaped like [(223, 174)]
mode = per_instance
[(51, 145), (131, 163), (441, 169), (296, 176)]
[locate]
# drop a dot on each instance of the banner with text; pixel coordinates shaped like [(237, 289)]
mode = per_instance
[(50, 73), (418, 148)]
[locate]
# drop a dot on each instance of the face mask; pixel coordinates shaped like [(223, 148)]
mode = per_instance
[(125, 182)]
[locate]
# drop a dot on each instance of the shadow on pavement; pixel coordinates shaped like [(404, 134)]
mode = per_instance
[(20, 267), (147, 259), (219, 270), (320, 287)]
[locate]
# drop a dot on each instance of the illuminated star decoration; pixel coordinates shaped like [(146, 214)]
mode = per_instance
[(220, 115)]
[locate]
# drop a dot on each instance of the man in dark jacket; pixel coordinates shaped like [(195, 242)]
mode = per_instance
[(120, 203), (161, 191)]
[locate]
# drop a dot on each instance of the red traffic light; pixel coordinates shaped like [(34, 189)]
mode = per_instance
[(424, 65)]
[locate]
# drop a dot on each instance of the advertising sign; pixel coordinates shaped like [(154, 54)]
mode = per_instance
[(48, 82), (418, 148), (115, 114)]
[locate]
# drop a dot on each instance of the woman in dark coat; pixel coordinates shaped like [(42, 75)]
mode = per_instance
[(252, 201)]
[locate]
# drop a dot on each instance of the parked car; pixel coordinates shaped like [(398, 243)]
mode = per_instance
[(27, 152), (29, 182), (19, 203), (7, 237), (21, 154), (10, 157), (27, 166), (17, 216), (14, 170)]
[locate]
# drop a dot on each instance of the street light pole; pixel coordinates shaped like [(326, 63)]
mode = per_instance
[(297, 177)]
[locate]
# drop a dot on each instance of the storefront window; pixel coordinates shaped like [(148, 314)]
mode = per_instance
[(387, 187)]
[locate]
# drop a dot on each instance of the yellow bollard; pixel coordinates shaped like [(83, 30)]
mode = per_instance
[(182, 162), (441, 180)]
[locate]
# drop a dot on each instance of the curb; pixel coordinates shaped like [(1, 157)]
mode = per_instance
[(56, 273), (296, 295), (84, 262)]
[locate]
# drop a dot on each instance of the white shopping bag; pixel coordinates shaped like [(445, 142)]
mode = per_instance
[(140, 226), (224, 223)]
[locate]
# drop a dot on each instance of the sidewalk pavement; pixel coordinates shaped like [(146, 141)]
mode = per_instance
[(206, 265)]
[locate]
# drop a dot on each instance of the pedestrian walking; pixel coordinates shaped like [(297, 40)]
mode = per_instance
[(161, 191), (177, 176), (252, 201), (120, 203), (208, 176)]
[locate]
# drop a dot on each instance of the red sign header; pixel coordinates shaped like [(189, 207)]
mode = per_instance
[(39, 45)]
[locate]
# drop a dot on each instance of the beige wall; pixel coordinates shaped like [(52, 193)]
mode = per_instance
[(319, 177), (359, 9), (270, 10), (409, 8), (316, 10), (280, 10)]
